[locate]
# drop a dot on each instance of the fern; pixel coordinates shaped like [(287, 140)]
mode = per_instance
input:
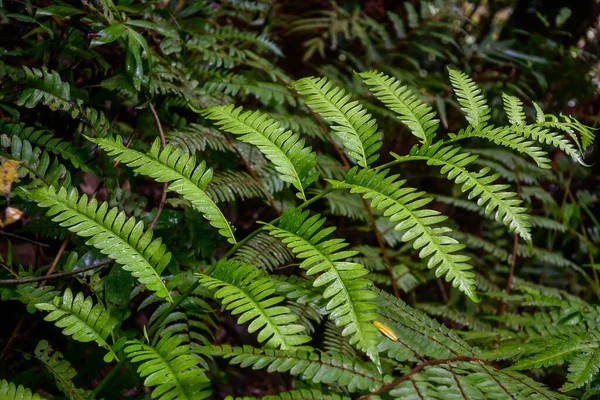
[(417, 115), (47, 140), (110, 232), (38, 164), (299, 394), (470, 98), (347, 292), (264, 251), (180, 170), (351, 122), (170, 367), (230, 185), (196, 137), (286, 150), (325, 368), (81, 319), (494, 197), (403, 205), (60, 369), (10, 391), (246, 291), (29, 294), (510, 137)]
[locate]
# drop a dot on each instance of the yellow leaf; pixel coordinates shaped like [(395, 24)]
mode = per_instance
[(386, 330), (8, 174), (11, 215)]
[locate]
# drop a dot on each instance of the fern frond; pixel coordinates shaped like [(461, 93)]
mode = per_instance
[(196, 137), (181, 171), (554, 350), (351, 122), (348, 293), (404, 205), (418, 116), (453, 162), (264, 251), (232, 185), (334, 342), (324, 368), (38, 164), (61, 369), (247, 291), (10, 391), (584, 366), (46, 87), (285, 149), (29, 294), (470, 98), (46, 140), (171, 367), (509, 137), (81, 319), (544, 135), (110, 232), (513, 107)]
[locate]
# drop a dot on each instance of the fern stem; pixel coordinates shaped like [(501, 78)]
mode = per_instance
[(107, 378), (61, 250), (417, 369), (163, 143), (54, 276)]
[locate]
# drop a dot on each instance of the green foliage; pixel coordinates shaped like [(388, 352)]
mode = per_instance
[(247, 291), (81, 319), (170, 367), (111, 232), (347, 292), (166, 115)]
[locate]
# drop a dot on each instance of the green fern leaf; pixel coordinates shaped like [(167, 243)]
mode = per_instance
[(470, 98), (404, 205), (61, 369), (479, 184), (417, 115), (584, 366), (514, 109), (180, 170), (347, 291), (110, 232), (324, 368), (10, 391), (512, 137), (351, 122), (81, 319), (247, 291), (285, 149), (170, 367), (48, 88), (38, 164)]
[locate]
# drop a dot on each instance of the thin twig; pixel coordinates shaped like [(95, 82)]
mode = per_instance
[(163, 143), (54, 276), (61, 250), (24, 238), (417, 369), (13, 336)]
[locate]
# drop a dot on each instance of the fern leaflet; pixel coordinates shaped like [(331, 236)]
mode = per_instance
[(10, 391), (247, 291), (61, 370), (470, 98), (347, 291), (352, 123), (453, 162), (417, 115), (170, 367), (285, 149), (180, 170), (110, 232), (82, 319), (404, 205)]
